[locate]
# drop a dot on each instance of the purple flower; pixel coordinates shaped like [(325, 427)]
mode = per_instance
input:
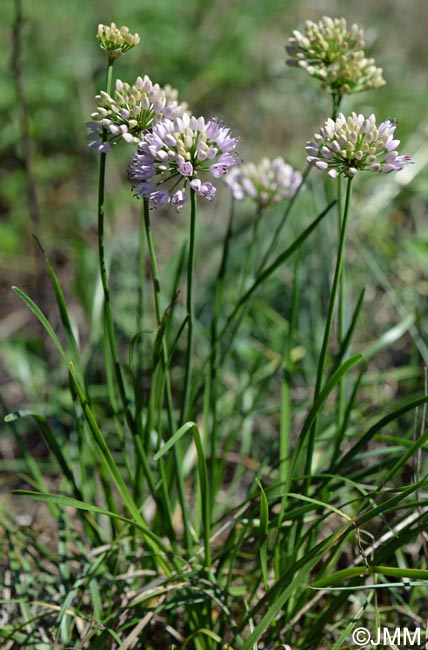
[(178, 199), (159, 197), (176, 152), (185, 168), (206, 190)]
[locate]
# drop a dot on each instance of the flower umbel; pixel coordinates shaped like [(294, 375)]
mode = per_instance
[(331, 52), (131, 111), (348, 145), (266, 182), (175, 153), (116, 40)]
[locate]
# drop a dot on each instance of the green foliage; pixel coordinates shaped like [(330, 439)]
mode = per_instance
[(234, 487)]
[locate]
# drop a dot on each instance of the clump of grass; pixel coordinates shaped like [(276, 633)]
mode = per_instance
[(206, 489)]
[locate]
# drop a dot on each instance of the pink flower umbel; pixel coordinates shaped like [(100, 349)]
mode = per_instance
[(266, 182), (172, 157), (348, 145)]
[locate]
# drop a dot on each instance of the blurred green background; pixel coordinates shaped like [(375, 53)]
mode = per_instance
[(227, 58)]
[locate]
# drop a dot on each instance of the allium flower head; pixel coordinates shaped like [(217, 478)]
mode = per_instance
[(348, 145), (175, 153), (131, 111), (266, 182), (116, 40), (331, 52)]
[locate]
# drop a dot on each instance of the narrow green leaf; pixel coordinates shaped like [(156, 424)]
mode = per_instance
[(105, 451), (64, 501), (205, 632), (322, 397), (286, 586), (317, 502), (62, 306), (42, 319), (202, 474), (411, 452), (362, 442), (383, 585), (52, 443), (348, 337), (174, 439), (352, 572), (389, 504), (263, 532)]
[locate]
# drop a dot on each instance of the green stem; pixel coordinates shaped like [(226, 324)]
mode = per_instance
[(153, 262), (329, 321), (337, 99), (249, 268), (189, 306), (158, 311), (285, 474), (214, 355), (340, 308), (104, 280), (165, 359), (140, 272)]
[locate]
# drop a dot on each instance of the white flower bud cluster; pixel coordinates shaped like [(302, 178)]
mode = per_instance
[(131, 111), (334, 54), (116, 40)]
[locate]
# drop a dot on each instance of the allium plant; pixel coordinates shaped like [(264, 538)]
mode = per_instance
[(348, 145), (116, 40), (168, 545), (175, 153), (266, 182), (334, 54), (130, 112), (342, 148)]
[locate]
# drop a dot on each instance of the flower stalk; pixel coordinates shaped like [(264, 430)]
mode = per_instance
[(108, 317), (329, 320), (189, 308), (165, 361)]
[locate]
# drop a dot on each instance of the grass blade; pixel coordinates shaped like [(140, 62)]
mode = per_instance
[(42, 320)]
